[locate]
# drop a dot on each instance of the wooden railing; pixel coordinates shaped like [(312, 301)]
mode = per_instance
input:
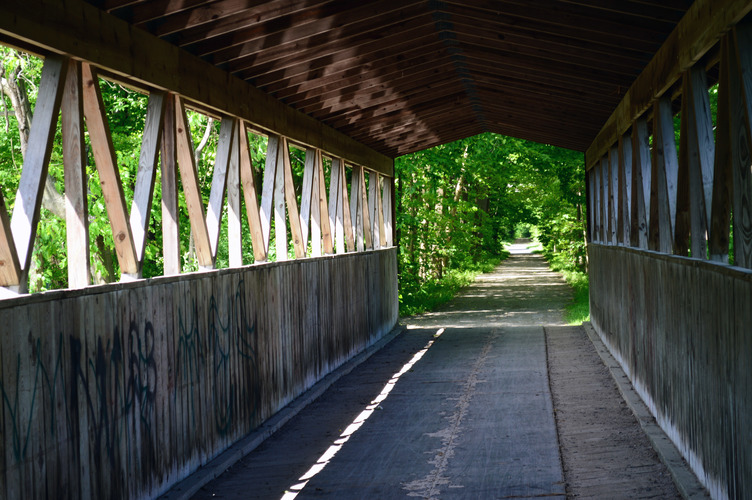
[(670, 233), (339, 222)]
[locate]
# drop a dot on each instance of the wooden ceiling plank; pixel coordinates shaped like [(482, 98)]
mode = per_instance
[(198, 15), (360, 42), (111, 43), (698, 31)]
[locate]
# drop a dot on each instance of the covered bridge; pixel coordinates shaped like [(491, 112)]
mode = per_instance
[(121, 390)]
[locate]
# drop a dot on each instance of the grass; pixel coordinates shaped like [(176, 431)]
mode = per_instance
[(579, 309), (434, 293)]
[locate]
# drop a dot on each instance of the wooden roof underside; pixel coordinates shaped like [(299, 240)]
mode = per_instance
[(401, 76)]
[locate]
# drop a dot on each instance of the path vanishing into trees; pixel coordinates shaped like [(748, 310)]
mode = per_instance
[(492, 396)]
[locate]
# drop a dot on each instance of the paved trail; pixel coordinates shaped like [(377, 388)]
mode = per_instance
[(461, 406)]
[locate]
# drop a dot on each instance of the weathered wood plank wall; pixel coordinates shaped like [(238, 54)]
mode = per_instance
[(119, 391), (680, 327)]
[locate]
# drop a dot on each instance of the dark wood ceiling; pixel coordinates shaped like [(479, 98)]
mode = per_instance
[(402, 75)]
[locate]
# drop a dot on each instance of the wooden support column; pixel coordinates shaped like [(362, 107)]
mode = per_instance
[(250, 192), (191, 188), (604, 199), (10, 269), (667, 171), (28, 200), (234, 215), (613, 195), (641, 166), (720, 217), (682, 222), (347, 220), (740, 99), (701, 150), (74, 163), (170, 213), (625, 190)]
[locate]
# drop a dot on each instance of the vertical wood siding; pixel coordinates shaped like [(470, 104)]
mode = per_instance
[(680, 328), (119, 391)]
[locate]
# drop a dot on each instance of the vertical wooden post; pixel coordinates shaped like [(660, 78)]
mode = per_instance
[(596, 176), (316, 220), (625, 190), (143, 191), (170, 215), (701, 155), (641, 166), (720, 213), (234, 215), (250, 193), (28, 200), (387, 204), (604, 200), (74, 163), (10, 269), (667, 171), (740, 98), (614, 189), (682, 218)]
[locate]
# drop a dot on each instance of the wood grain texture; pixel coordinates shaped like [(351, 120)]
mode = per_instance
[(74, 164), (250, 193), (169, 176), (641, 172), (109, 174), (215, 208), (28, 199), (685, 352), (234, 215), (191, 188)]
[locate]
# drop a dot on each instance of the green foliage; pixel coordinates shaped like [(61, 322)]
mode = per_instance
[(458, 203)]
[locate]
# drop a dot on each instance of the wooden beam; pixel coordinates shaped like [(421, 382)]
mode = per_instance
[(109, 175), (365, 208), (10, 269), (625, 190), (388, 208), (191, 187), (356, 207), (170, 215), (640, 183), (76, 192), (28, 200), (326, 227), (234, 215), (335, 205), (740, 99), (267, 190), (292, 204), (219, 181), (699, 30), (111, 43), (250, 196), (720, 213), (309, 174), (143, 192), (666, 167)]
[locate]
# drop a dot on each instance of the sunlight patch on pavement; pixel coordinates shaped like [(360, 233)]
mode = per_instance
[(329, 454)]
